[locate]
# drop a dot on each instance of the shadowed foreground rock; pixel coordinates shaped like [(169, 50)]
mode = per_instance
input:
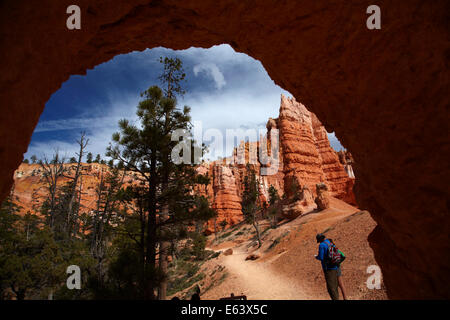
[(383, 92)]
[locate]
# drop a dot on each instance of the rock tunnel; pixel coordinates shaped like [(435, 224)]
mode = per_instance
[(383, 92)]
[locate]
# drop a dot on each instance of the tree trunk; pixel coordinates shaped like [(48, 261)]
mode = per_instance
[(82, 144), (255, 225), (163, 266), (150, 257), (164, 244)]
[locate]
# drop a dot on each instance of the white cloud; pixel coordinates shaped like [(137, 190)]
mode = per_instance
[(75, 123), (213, 71)]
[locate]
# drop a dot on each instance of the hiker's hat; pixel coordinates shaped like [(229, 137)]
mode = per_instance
[(320, 237)]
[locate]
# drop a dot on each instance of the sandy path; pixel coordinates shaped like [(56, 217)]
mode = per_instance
[(256, 280)]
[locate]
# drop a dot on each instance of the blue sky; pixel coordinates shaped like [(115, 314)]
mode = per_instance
[(225, 90)]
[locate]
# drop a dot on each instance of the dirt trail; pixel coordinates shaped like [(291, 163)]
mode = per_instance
[(286, 269), (256, 280)]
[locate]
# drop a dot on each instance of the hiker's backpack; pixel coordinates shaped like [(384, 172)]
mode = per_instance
[(334, 256)]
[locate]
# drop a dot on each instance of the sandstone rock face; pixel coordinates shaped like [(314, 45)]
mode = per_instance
[(304, 155), (296, 208), (227, 200), (346, 159), (228, 252), (30, 189), (322, 199), (308, 156), (383, 92), (227, 183)]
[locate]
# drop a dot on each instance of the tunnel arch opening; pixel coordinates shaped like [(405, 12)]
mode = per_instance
[(369, 73)]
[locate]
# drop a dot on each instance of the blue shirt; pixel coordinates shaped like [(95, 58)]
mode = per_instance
[(323, 253)]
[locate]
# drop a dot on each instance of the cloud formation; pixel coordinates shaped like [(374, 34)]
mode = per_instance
[(213, 71)]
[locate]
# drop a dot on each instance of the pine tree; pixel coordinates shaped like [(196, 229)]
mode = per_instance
[(105, 216), (164, 198), (274, 200), (29, 257), (223, 224), (71, 220), (250, 201), (53, 172)]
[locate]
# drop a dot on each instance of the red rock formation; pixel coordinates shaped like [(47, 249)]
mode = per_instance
[(30, 189), (227, 199), (346, 159), (322, 199), (308, 156), (383, 92), (304, 155), (227, 181)]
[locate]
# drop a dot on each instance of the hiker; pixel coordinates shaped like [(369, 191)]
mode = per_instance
[(339, 274), (330, 270)]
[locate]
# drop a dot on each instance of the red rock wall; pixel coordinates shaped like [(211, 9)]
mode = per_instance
[(383, 92), (308, 156), (30, 188), (227, 196), (304, 153)]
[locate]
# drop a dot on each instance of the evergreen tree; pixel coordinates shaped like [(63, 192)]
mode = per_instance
[(53, 172), (223, 224), (72, 213), (89, 157), (250, 201), (274, 201), (29, 257), (100, 223), (172, 77), (164, 198)]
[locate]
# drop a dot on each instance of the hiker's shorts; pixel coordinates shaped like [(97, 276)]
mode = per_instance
[(339, 272), (331, 279)]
